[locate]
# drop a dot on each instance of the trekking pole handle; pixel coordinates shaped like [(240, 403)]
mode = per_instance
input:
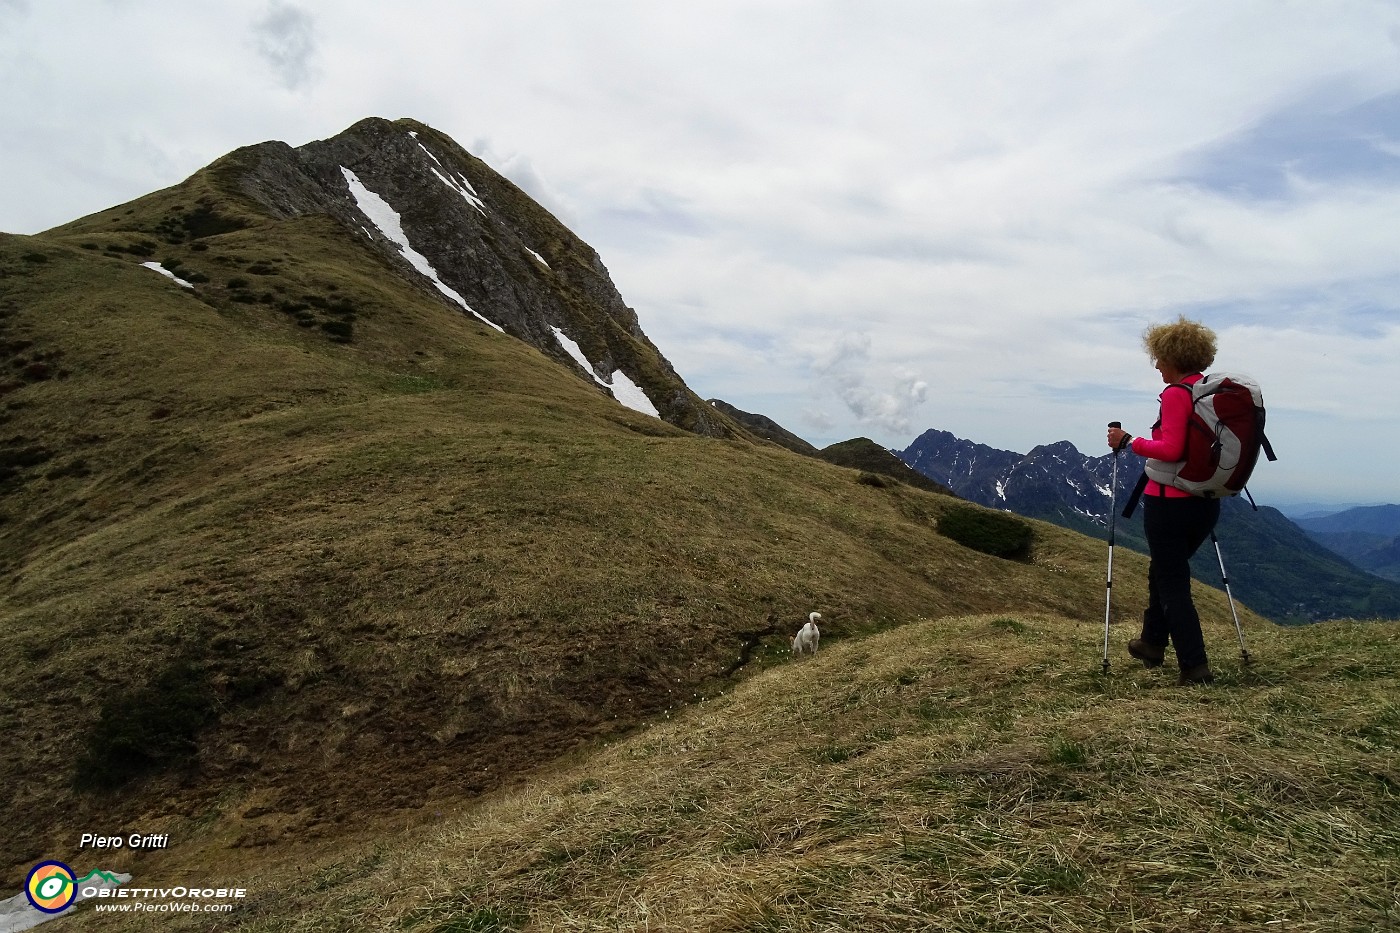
[(1121, 445)]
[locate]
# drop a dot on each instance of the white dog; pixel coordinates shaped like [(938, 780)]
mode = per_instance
[(806, 640)]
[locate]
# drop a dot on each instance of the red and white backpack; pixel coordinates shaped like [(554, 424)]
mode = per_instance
[(1223, 438)]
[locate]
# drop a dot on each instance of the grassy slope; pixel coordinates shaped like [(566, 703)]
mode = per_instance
[(334, 587), (968, 773)]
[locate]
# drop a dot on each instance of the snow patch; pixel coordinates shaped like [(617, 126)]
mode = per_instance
[(425, 149), (462, 187), (166, 272), (630, 394), (537, 256), (623, 389), (387, 220), (574, 350)]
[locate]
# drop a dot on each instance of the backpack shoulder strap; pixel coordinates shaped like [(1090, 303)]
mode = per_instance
[(1136, 496)]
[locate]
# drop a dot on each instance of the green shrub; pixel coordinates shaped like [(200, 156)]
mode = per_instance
[(995, 533), (205, 221), (342, 331)]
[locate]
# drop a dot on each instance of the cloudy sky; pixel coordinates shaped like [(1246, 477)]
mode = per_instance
[(859, 218)]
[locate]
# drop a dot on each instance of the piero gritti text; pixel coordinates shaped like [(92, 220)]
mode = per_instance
[(141, 841)]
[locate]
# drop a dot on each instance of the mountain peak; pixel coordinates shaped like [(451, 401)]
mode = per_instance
[(446, 222)]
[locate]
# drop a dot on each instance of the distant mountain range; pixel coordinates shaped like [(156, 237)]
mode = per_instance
[(1369, 537), (1275, 566)]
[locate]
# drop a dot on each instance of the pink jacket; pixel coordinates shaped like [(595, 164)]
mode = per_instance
[(1168, 441)]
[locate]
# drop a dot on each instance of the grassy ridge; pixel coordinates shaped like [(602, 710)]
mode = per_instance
[(971, 773)]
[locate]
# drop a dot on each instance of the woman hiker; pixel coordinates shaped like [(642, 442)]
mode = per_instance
[(1176, 522)]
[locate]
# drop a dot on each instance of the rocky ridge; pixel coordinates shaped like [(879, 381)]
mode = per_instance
[(474, 240)]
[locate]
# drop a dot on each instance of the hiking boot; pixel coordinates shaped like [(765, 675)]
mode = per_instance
[(1149, 654), (1200, 674)]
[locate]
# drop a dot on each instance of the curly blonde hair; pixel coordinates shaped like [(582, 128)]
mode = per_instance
[(1187, 346)]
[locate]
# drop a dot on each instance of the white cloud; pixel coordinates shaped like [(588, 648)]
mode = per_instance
[(286, 40), (993, 198), (884, 400)]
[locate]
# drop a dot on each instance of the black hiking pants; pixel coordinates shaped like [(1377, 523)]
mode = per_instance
[(1175, 529)]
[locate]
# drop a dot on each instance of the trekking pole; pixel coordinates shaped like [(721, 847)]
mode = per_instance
[(1112, 516), (1224, 578)]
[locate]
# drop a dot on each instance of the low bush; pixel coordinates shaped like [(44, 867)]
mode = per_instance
[(342, 331), (204, 221), (996, 533)]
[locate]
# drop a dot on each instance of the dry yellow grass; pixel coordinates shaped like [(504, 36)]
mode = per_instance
[(970, 773)]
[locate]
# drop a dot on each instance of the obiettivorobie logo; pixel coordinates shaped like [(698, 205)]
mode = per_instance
[(52, 887)]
